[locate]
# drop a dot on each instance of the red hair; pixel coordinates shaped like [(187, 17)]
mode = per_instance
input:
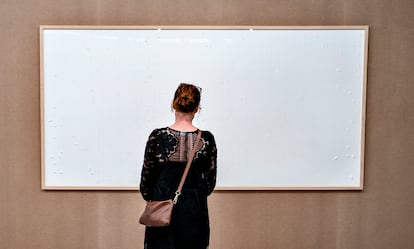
[(186, 98)]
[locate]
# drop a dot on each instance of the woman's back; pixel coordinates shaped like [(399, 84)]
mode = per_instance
[(166, 154), (165, 159)]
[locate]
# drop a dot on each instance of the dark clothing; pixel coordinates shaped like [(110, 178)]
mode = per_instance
[(165, 159)]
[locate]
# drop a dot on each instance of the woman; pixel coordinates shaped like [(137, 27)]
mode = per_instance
[(165, 158)]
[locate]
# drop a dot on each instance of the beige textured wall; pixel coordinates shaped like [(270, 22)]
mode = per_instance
[(380, 217)]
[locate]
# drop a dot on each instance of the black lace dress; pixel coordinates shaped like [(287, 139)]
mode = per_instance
[(165, 158)]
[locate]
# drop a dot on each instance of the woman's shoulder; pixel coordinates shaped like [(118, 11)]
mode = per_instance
[(207, 134), (157, 132)]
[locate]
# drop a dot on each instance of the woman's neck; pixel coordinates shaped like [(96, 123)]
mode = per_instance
[(183, 122)]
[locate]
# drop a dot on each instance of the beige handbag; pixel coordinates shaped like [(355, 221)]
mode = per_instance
[(158, 213)]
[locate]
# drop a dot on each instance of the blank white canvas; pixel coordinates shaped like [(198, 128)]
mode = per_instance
[(286, 106)]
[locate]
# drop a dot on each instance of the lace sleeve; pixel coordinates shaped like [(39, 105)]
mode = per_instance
[(149, 167), (211, 170)]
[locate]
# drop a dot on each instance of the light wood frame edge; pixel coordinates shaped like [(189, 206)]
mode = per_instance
[(201, 27), (364, 108), (42, 130)]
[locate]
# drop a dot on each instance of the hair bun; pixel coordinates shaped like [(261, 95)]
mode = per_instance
[(186, 98)]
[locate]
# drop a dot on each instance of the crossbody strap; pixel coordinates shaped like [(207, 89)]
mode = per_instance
[(187, 167)]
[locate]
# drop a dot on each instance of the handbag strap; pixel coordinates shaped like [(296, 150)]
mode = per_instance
[(187, 167)]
